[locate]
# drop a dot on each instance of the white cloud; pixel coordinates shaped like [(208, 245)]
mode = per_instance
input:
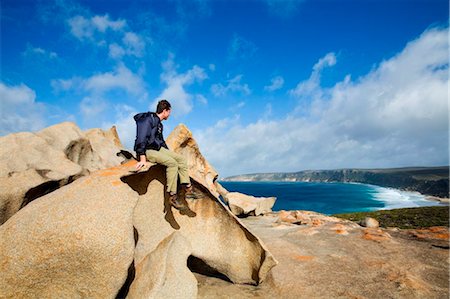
[(310, 88), (175, 91), (85, 28), (121, 78), (102, 23), (81, 27), (116, 51), (241, 48), (92, 106), (61, 85), (201, 99), (328, 60), (37, 51), (134, 44), (234, 85), (125, 124), (240, 105), (96, 89), (283, 8), (275, 84), (396, 115), (119, 42), (19, 109)]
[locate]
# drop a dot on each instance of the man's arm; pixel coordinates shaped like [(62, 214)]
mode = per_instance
[(140, 144)]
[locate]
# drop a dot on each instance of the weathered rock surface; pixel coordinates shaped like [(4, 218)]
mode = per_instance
[(84, 239), (181, 141), (245, 205), (221, 190), (211, 230), (327, 257), (34, 164), (163, 272), (76, 242), (369, 222)]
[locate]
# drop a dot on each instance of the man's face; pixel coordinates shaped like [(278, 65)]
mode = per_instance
[(166, 114)]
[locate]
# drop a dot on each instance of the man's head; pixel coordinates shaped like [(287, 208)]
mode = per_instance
[(163, 109)]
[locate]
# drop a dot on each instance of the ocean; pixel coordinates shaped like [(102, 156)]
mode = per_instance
[(330, 198)]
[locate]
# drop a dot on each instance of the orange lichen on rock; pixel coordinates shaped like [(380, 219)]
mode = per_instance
[(87, 181), (303, 258), (116, 170), (116, 183), (407, 279), (316, 222), (129, 163), (340, 229), (435, 232), (108, 172), (286, 216), (375, 234)]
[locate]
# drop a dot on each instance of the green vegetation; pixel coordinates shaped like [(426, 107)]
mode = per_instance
[(405, 218)]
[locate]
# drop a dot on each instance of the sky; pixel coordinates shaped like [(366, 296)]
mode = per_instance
[(264, 85)]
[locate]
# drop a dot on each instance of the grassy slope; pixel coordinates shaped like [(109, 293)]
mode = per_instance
[(405, 218)]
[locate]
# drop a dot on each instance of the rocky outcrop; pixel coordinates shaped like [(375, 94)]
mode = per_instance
[(211, 230), (246, 205), (34, 164), (170, 278), (328, 257), (181, 141), (369, 222), (77, 241), (114, 233)]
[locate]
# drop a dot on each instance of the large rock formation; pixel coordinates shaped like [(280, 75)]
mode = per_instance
[(77, 241), (85, 239), (112, 233), (245, 205), (34, 164)]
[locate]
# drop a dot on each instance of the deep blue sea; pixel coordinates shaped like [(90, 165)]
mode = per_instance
[(330, 198)]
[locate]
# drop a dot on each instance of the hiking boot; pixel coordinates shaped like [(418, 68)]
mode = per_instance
[(177, 204), (188, 191)]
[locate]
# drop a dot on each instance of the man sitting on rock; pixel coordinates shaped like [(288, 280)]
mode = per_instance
[(150, 145)]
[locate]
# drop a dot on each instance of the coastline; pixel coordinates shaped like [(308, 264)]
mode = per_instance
[(429, 181), (391, 198), (438, 199), (409, 193)]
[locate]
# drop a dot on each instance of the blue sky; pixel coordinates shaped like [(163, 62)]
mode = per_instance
[(264, 85)]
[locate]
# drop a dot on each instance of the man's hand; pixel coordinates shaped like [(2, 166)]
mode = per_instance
[(140, 164), (143, 162)]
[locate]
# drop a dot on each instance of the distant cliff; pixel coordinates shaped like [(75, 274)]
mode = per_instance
[(432, 181)]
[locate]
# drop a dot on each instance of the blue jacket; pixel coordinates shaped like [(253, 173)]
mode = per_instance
[(149, 133)]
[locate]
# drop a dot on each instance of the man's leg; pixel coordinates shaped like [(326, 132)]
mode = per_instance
[(183, 171), (162, 157)]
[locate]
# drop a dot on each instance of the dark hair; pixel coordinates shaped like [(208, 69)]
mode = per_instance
[(162, 105)]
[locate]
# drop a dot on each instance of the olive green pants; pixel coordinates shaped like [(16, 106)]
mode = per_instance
[(176, 166)]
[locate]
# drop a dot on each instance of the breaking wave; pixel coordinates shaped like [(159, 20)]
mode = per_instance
[(394, 198)]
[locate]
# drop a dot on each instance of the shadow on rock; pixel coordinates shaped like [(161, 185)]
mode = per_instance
[(140, 181)]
